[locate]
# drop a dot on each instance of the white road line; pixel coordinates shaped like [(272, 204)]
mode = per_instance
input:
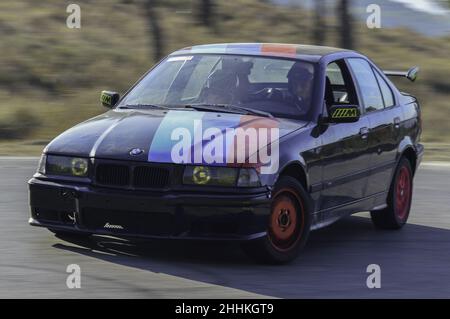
[(18, 158), (436, 164)]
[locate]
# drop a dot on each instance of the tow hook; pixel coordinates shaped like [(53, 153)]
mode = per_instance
[(69, 194)]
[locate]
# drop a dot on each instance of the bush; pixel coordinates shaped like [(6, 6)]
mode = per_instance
[(20, 124)]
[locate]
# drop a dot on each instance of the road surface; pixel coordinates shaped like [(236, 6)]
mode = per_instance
[(415, 261)]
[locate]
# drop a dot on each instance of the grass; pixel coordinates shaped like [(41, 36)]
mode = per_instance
[(55, 74)]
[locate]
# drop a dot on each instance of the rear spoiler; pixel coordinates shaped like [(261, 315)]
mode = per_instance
[(411, 74)]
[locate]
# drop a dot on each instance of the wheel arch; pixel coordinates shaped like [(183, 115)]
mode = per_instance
[(407, 150), (410, 154), (296, 170)]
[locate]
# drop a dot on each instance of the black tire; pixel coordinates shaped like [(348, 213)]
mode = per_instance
[(288, 225), (396, 214)]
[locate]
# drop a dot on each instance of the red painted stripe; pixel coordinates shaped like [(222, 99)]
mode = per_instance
[(279, 49), (256, 122)]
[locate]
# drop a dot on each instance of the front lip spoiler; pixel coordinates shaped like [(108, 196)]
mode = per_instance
[(77, 230)]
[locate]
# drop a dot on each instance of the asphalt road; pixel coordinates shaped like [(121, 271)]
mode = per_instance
[(415, 261)]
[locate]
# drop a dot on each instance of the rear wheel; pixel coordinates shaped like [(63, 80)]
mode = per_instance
[(288, 225), (395, 215)]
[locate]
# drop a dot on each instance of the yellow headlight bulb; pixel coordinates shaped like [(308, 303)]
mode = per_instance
[(79, 167), (201, 175)]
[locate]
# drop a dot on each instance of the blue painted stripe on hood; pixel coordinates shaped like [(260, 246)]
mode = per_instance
[(162, 144), (221, 122)]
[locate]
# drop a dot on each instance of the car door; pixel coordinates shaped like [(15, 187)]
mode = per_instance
[(384, 122), (344, 145)]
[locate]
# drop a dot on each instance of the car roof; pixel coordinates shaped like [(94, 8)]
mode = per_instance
[(311, 53)]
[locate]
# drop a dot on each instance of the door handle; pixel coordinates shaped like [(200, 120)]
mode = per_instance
[(364, 132), (397, 122)]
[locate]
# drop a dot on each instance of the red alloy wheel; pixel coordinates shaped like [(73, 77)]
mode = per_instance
[(286, 220), (403, 193)]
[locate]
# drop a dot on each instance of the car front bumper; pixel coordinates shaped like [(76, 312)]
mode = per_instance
[(124, 213)]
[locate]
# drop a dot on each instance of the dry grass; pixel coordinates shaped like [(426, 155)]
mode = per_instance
[(56, 73)]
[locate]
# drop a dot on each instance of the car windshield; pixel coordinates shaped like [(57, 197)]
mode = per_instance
[(273, 86)]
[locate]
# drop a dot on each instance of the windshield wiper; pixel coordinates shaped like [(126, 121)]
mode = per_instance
[(143, 106), (203, 106), (208, 107), (229, 108), (249, 110)]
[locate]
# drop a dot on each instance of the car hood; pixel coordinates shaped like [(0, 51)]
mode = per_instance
[(154, 133)]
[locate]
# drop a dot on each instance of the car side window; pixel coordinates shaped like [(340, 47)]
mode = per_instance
[(386, 91), (339, 88), (370, 90)]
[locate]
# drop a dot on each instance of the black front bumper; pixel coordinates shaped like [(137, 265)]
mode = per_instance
[(125, 213)]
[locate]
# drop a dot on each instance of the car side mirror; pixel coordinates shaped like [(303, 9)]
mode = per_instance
[(109, 99), (343, 114)]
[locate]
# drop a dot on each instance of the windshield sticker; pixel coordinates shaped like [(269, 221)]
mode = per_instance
[(180, 58)]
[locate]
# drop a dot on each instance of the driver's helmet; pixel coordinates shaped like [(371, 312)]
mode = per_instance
[(221, 85), (300, 73), (229, 83), (222, 81)]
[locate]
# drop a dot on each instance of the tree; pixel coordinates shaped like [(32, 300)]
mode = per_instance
[(319, 30), (154, 28), (205, 12), (345, 20)]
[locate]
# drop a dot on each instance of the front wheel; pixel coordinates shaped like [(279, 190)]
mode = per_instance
[(288, 225), (395, 215)]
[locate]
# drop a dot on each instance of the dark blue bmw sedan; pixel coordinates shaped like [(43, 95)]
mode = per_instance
[(258, 143)]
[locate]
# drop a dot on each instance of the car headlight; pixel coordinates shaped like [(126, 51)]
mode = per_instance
[(41, 166), (220, 176), (66, 166), (248, 177)]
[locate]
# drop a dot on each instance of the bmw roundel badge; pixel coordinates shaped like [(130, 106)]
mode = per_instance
[(136, 151)]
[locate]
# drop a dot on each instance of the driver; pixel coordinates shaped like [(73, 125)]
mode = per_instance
[(220, 87), (228, 85), (300, 82), (298, 93)]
